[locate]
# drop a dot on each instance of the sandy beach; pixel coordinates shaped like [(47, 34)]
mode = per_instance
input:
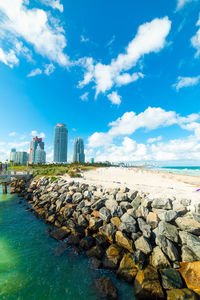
[(153, 183)]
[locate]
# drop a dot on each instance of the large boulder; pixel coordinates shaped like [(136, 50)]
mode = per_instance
[(59, 234), (123, 241), (191, 274), (158, 259), (188, 224), (105, 288), (145, 228), (96, 251), (112, 258), (111, 203), (169, 231), (167, 247), (181, 294), (127, 268), (108, 230), (152, 220), (95, 223), (162, 203), (171, 279), (192, 242), (77, 197), (147, 284), (143, 244), (128, 223), (104, 214), (187, 254), (168, 216)]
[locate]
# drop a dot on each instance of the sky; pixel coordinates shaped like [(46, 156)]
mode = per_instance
[(123, 75)]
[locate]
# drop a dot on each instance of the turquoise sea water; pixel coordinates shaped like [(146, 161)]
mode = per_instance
[(29, 270), (193, 171)]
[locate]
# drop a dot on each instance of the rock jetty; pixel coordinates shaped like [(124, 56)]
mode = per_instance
[(151, 243)]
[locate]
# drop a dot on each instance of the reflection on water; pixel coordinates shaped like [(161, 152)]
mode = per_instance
[(28, 268)]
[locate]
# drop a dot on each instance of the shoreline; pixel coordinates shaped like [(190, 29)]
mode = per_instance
[(151, 243)]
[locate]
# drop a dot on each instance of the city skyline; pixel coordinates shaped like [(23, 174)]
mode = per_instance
[(129, 86)]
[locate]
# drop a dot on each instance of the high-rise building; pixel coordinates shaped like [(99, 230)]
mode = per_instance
[(13, 155), (79, 155), (19, 157), (34, 144), (60, 143), (40, 155)]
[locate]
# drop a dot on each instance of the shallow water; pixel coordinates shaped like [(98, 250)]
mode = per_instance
[(30, 271), (192, 171)]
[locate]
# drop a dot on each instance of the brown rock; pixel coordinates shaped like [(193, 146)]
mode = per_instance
[(96, 251), (147, 284), (181, 294), (123, 241), (95, 223), (190, 271), (112, 257), (105, 287), (116, 221), (127, 268), (59, 234), (152, 219), (95, 213)]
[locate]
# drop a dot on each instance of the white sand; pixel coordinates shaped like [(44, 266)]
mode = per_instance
[(154, 183)]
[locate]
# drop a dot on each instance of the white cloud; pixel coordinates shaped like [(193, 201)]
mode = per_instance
[(12, 133), (35, 28), (49, 69), (127, 78), (114, 98), (10, 59), (153, 140), (35, 133), (151, 37), (84, 97), (182, 3), (117, 145), (195, 40), (55, 4), (84, 39), (35, 72), (186, 82)]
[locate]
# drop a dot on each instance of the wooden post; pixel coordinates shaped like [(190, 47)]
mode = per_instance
[(4, 185)]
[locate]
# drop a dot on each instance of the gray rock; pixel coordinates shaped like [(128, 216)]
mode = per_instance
[(104, 214), (169, 231), (142, 212), (132, 194), (98, 204), (167, 247), (188, 224), (76, 198), (108, 230), (143, 244), (185, 202), (86, 210), (197, 208), (191, 241), (121, 196), (127, 223), (116, 211), (171, 279), (162, 203), (68, 198), (82, 221), (139, 258), (125, 205), (67, 213), (59, 204), (159, 259), (136, 202), (146, 229), (136, 235), (87, 195), (168, 216), (111, 204), (179, 208), (188, 255)]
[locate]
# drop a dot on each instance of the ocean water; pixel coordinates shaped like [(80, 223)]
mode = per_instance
[(29, 270), (193, 171)]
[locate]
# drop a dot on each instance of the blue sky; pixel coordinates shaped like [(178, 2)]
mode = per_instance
[(124, 75)]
